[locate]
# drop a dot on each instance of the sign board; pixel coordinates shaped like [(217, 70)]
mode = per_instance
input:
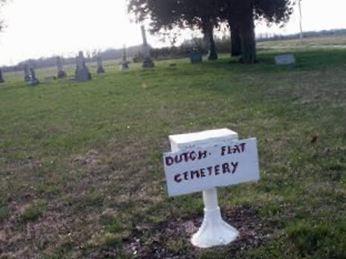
[(286, 59), (202, 168)]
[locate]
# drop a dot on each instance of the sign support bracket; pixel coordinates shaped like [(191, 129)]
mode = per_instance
[(214, 230)]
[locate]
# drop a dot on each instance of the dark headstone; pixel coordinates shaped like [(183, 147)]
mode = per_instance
[(196, 57), (124, 63), (100, 69), (33, 79), (82, 73), (27, 75), (1, 77), (61, 72), (147, 61)]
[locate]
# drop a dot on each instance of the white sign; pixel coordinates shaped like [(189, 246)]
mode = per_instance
[(199, 169)]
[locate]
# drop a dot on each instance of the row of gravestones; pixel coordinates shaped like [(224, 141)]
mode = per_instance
[(82, 72)]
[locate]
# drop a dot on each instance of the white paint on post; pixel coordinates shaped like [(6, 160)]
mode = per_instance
[(214, 158)]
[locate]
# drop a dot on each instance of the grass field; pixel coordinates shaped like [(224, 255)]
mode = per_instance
[(81, 168)]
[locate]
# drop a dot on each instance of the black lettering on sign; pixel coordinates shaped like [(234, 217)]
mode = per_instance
[(217, 169), (242, 145), (235, 166), (185, 176), (229, 150), (177, 178), (202, 154), (185, 157), (169, 160), (195, 173), (193, 156), (178, 159), (202, 172), (225, 168)]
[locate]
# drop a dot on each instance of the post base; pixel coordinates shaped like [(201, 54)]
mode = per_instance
[(214, 231)]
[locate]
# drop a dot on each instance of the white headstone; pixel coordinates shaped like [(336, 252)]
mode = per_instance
[(285, 59)]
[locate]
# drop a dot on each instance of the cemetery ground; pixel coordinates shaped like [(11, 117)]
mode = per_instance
[(81, 163)]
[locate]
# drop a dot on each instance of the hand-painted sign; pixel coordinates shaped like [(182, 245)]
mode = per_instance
[(199, 169)]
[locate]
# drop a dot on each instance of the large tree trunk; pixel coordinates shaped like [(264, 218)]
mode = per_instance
[(236, 42), (235, 38), (245, 18), (212, 49), (208, 30)]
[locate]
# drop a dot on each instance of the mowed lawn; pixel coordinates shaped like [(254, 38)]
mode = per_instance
[(81, 164)]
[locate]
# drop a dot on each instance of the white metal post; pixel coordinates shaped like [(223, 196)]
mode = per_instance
[(214, 230)]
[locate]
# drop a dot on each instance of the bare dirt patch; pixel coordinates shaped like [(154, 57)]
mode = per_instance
[(171, 239)]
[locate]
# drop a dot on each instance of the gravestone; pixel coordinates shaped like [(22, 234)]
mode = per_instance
[(27, 75), (1, 77), (285, 59), (100, 69), (61, 71), (147, 61), (124, 63), (206, 160), (32, 78), (82, 73), (196, 56)]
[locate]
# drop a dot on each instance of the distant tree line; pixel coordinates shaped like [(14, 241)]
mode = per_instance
[(308, 34)]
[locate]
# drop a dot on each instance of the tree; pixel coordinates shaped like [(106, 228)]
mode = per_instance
[(235, 38), (166, 14), (2, 2), (207, 14), (203, 14), (241, 14)]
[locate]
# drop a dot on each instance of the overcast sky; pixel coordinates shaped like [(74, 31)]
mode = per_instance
[(37, 28)]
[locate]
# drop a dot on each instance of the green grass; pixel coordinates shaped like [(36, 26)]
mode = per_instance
[(81, 169), (33, 211)]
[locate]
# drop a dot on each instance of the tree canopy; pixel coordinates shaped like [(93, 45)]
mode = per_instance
[(207, 14), (2, 2)]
